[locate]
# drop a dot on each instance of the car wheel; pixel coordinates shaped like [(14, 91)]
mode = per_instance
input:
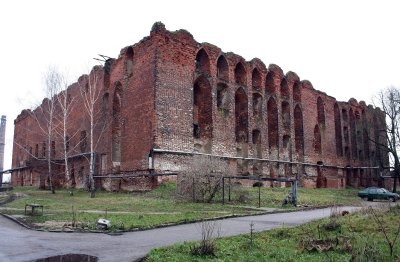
[(370, 199), (392, 199), (365, 198)]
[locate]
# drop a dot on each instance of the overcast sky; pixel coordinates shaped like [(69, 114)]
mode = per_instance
[(345, 48)]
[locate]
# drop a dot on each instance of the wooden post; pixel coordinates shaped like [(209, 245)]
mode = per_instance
[(229, 190), (223, 190), (259, 193)]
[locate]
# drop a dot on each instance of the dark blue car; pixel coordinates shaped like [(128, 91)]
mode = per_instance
[(372, 193)]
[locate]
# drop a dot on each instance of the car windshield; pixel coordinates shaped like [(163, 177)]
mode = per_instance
[(384, 190)]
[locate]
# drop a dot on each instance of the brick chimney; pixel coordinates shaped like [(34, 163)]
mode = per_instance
[(2, 143)]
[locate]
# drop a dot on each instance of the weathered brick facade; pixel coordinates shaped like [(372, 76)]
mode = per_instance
[(169, 97)]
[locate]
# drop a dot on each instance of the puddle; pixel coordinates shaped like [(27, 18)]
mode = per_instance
[(68, 258)]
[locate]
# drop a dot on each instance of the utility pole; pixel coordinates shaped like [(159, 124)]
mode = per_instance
[(2, 143)]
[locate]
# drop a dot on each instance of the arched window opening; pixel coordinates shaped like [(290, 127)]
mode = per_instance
[(344, 115), (257, 105), (256, 135), (241, 116), (346, 134), (353, 134), (222, 98), (348, 176), (317, 140), (128, 68), (202, 62), (366, 144), (129, 53), (117, 123), (43, 149), (240, 74), (202, 109), (347, 152), (105, 104), (67, 143), (53, 149), (286, 114), (222, 69), (256, 79), (298, 130), (358, 117), (284, 89), (321, 112), (273, 135), (321, 179), (72, 178), (269, 84), (359, 137), (285, 141), (338, 131), (296, 92), (83, 141)]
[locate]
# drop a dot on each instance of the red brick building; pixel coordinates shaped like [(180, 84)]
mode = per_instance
[(169, 97)]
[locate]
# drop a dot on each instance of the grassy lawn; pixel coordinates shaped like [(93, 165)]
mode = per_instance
[(158, 207), (272, 197), (355, 237)]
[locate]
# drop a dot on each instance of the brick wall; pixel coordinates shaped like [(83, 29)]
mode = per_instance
[(169, 97)]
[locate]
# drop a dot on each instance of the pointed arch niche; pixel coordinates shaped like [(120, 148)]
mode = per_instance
[(240, 74), (257, 106), (284, 89), (241, 116), (222, 97), (269, 84), (273, 135), (222, 69), (321, 112), (338, 131), (353, 134), (296, 92), (256, 79), (298, 130), (202, 62), (117, 123), (202, 109), (317, 140), (286, 114)]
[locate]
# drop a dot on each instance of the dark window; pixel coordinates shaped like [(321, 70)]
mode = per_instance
[(67, 143), (53, 148), (44, 149), (83, 142), (37, 150)]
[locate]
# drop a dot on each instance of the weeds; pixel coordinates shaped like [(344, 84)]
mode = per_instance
[(383, 229), (210, 231)]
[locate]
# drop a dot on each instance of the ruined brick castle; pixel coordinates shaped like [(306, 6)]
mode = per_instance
[(168, 98)]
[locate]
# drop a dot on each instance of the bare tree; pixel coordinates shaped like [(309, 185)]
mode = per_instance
[(91, 95), (202, 179), (389, 101), (46, 117), (65, 103)]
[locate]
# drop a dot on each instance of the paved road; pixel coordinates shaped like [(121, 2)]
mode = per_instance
[(20, 244)]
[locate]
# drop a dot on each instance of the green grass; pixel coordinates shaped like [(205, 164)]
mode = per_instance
[(159, 206), (366, 242), (124, 210), (272, 197)]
